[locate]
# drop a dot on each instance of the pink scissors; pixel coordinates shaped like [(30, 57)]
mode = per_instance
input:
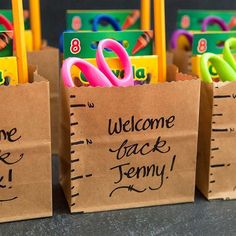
[(101, 76)]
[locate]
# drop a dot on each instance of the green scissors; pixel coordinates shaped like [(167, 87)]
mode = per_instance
[(225, 67)]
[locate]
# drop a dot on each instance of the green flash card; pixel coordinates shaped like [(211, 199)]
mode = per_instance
[(84, 44), (8, 15), (192, 19), (83, 20)]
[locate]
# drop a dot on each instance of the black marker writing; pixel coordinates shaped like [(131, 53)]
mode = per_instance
[(4, 180), (6, 158), (9, 135), (1, 182), (8, 200), (127, 171), (156, 172), (127, 150), (139, 125), (130, 188)]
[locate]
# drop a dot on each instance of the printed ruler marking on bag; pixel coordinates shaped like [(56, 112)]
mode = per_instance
[(81, 177), (75, 123), (230, 130), (225, 96), (77, 177), (74, 195), (220, 130), (77, 105), (75, 160), (222, 96), (88, 105), (217, 168), (76, 141), (81, 142)]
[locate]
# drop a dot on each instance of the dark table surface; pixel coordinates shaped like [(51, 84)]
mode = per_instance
[(200, 218)]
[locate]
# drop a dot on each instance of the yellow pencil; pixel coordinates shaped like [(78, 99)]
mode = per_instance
[(35, 22), (19, 36), (160, 37), (145, 14)]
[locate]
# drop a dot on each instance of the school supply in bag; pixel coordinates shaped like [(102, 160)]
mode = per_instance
[(189, 36), (103, 77), (225, 67)]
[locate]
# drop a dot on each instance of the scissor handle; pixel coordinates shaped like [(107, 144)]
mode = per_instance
[(109, 19), (214, 20), (6, 23), (225, 71), (177, 34), (91, 73), (230, 45), (120, 51)]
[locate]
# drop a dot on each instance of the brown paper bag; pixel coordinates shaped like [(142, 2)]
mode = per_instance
[(169, 58), (216, 169), (47, 61), (151, 160), (25, 151), (183, 60)]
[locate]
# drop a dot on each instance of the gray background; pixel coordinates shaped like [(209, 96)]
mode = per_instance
[(53, 11)]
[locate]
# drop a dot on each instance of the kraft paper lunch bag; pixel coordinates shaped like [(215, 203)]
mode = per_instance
[(25, 150), (129, 147)]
